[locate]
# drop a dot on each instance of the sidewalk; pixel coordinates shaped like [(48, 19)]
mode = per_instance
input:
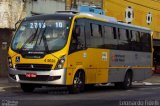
[(5, 82), (154, 80)]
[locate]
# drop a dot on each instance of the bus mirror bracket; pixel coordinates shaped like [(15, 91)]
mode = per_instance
[(17, 24)]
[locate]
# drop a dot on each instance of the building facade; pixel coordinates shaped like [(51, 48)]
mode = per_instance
[(34, 7), (10, 13)]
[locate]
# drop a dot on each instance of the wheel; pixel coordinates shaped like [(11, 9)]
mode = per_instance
[(127, 83), (78, 83), (27, 87)]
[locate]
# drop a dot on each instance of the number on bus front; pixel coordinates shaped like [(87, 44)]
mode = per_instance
[(49, 60)]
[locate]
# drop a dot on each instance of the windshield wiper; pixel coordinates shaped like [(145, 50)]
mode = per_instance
[(31, 38), (45, 41)]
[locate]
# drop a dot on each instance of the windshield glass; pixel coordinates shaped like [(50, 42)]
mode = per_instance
[(41, 35)]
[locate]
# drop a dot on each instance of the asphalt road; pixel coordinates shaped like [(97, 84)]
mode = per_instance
[(138, 95)]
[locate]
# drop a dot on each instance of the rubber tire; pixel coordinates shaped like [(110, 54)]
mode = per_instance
[(27, 87), (127, 83), (75, 87)]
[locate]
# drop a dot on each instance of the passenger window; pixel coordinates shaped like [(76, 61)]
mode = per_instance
[(110, 40), (146, 41), (135, 41), (96, 39), (122, 34), (108, 32), (96, 30), (135, 36), (124, 39)]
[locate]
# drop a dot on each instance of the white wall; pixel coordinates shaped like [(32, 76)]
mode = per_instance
[(44, 6), (10, 12)]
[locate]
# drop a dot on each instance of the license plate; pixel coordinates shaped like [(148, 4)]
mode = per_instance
[(31, 75)]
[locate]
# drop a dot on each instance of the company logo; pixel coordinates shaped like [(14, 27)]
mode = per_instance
[(17, 59), (113, 57)]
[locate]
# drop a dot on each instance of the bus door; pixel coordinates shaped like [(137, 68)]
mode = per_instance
[(77, 51)]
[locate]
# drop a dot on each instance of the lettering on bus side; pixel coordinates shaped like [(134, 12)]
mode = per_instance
[(118, 58), (104, 56)]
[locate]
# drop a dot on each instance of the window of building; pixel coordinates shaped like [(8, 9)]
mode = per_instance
[(96, 39)]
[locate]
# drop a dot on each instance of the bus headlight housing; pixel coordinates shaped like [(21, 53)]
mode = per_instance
[(10, 62), (60, 63)]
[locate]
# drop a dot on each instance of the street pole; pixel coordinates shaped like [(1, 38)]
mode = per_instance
[(68, 4)]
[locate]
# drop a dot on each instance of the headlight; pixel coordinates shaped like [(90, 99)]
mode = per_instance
[(10, 62), (60, 63)]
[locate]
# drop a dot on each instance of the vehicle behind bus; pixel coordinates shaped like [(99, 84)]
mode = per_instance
[(156, 60)]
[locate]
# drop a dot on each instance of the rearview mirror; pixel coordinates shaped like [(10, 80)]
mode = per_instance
[(17, 24)]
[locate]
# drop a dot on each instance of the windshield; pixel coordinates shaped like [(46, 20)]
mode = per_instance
[(41, 35)]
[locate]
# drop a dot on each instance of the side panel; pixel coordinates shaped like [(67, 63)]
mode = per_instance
[(120, 61), (98, 60), (94, 62)]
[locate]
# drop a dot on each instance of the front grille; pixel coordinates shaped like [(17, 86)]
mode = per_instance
[(34, 67), (37, 78)]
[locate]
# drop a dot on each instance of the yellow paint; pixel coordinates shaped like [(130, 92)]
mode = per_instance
[(91, 62)]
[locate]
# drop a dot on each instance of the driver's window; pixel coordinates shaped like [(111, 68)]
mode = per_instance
[(78, 36)]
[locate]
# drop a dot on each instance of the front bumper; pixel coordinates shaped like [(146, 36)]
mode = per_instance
[(53, 77)]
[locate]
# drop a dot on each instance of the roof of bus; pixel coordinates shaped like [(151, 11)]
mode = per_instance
[(49, 16), (112, 20), (93, 16)]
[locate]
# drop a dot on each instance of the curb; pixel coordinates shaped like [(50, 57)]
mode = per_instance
[(149, 83), (146, 83)]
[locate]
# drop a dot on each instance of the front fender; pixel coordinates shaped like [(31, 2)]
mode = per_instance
[(71, 73)]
